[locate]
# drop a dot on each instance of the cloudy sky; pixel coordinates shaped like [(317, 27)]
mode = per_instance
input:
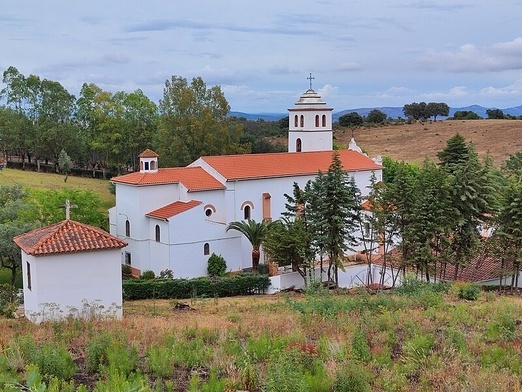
[(362, 53)]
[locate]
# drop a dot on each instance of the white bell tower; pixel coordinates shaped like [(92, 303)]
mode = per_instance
[(148, 161), (310, 123)]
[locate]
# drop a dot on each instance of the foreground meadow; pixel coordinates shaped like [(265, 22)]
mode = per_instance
[(422, 338)]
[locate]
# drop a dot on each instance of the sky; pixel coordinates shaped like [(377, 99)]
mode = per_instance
[(361, 53)]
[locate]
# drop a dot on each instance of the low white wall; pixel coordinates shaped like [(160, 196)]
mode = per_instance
[(353, 276)]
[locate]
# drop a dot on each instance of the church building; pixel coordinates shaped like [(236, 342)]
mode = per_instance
[(175, 218)]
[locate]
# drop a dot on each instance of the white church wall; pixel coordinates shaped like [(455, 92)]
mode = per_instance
[(311, 141), (83, 284)]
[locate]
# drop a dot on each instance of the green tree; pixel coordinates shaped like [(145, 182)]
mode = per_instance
[(376, 117), (472, 197), (255, 233), (509, 227), (429, 224), (65, 164), (495, 114), (350, 120), (194, 123), (12, 205), (466, 115), (335, 218), (435, 109), (416, 111)]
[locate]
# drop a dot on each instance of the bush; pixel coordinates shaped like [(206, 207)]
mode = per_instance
[(217, 266), (226, 286), (8, 300), (469, 291), (147, 275)]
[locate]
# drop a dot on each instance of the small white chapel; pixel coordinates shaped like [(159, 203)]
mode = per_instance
[(175, 218)]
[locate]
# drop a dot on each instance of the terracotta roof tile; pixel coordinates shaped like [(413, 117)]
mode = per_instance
[(193, 178), (173, 209), (249, 166), (148, 153), (67, 237)]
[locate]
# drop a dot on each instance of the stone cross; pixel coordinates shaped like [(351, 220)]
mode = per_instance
[(68, 207)]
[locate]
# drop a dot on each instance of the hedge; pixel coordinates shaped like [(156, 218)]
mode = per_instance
[(227, 286)]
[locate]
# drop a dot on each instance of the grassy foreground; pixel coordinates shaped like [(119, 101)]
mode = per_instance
[(425, 339), (34, 180)]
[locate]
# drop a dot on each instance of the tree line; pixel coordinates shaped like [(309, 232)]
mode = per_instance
[(424, 218), (106, 131)]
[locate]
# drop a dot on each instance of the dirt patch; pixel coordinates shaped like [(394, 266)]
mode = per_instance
[(415, 142)]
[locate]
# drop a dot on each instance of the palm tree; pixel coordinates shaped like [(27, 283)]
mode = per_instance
[(255, 232)]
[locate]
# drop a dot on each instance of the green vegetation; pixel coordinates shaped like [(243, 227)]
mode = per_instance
[(424, 337)]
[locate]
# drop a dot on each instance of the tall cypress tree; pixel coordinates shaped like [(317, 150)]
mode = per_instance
[(472, 198)]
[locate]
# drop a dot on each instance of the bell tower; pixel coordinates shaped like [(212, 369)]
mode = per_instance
[(148, 161), (310, 123)]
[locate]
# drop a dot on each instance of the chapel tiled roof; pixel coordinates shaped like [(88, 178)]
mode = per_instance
[(67, 236), (193, 178), (252, 166), (148, 153), (173, 209)]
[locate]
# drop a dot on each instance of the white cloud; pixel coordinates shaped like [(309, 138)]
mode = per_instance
[(468, 58)]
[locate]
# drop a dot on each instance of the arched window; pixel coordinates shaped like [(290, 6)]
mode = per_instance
[(302, 120), (141, 165), (146, 165), (295, 120), (324, 120), (127, 228), (317, 121), (298, 145), (206, 249), (246, 212), (157, 233), (152, 165)]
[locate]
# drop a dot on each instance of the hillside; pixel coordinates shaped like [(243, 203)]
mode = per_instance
[(414, 142)]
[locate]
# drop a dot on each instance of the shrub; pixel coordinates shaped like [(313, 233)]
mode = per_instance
[(353, 377), (226, 286), (126, 270), (8, 300), (166, 274), (217, 266), (147, 275), (469, 291)]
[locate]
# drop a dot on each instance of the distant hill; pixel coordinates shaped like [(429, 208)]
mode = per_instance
[(390, 111)]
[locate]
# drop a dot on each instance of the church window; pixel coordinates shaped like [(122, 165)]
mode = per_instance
[(153, 165), (141, 165), (127, 228), (298, 145), (302, 120), (206, 249), (246, 212), (324, 120), (208, 212), (296, 120), (317, 121), (28, 274), (157, 233), (146, 165), (128, 258)]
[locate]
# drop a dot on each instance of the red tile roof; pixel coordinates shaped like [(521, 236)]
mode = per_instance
[(172, 209), (148, 153), (67, 237), (193, 178), (251, 166), (480, 269)]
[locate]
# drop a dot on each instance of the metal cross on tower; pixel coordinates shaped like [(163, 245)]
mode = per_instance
[(310, 78)]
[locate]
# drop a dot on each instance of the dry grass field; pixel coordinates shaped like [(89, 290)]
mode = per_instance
[(415, 142)]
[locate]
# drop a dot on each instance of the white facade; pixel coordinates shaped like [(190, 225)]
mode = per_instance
[(176, 220), (84, 284)]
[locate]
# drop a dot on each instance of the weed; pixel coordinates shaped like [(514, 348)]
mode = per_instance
[(353, 377)]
